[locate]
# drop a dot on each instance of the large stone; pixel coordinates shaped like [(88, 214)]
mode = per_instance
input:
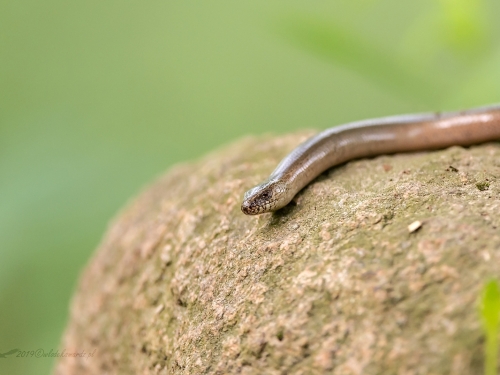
[(184, 283)]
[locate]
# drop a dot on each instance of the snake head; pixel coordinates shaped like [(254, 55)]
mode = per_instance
[(266, 197)]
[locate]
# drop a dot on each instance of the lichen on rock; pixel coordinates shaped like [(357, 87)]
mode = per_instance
[(184, 283)]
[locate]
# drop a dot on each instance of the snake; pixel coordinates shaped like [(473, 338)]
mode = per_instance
[(369, 138)]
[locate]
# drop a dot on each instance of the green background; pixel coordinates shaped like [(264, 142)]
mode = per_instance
[(97, 98)]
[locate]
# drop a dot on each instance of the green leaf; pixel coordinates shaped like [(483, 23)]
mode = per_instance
[(490, 310), (490, 306)]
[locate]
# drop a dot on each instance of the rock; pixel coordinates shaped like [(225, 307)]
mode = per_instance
[(184, 283)]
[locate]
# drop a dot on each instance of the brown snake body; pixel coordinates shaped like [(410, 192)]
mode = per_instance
[(367, 138)]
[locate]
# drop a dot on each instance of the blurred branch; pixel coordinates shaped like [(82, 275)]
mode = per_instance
[(341, 47)]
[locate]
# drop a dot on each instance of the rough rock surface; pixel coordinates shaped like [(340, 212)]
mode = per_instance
[(184, 283)]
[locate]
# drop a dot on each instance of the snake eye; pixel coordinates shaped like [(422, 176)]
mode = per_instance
[(266, 195)]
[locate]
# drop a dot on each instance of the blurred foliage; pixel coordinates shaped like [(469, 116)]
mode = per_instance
[(465, 24), (489, 309), (336, 44), (97, 98)]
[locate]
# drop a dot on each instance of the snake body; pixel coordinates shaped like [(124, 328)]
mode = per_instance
[(388, 135)]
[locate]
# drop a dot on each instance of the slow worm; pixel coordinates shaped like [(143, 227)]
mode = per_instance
[(368, 138)]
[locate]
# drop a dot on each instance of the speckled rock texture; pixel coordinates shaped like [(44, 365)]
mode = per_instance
[(184, 283)]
